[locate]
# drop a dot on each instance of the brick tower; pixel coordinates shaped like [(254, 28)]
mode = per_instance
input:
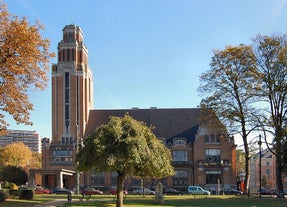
[(72, 88), (72, 100)]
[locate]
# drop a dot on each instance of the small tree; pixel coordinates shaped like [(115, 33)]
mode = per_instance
[(265, 181), (24, 59), (128, 147)]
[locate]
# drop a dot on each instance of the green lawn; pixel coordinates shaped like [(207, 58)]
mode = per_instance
[(148, 201)]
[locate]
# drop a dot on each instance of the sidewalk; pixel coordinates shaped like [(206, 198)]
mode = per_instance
[(53, 203)]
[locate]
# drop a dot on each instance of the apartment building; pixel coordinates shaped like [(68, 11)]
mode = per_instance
[(268, 172), (30, 138)]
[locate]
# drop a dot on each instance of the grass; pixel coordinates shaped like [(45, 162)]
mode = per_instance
[(148, 201)]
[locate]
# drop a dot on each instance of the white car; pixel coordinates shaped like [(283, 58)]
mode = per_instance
[(146, 191), (197, 190)]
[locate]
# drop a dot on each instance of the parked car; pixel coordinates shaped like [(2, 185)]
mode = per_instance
[(91, 191), (172, 191), (274, 192), (42, 191), (232, 191), (197, 190), (266, 192), (59, 190), (113, 191), (146, 191)]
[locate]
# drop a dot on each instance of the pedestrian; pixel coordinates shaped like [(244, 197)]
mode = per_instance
[(69, 197)]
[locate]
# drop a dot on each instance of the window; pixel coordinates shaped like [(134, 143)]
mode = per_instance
[(212, 139), (206, 137), (213, 176), (62, 156), (267, 163), (212, 155), (268, 173), (98, 179), (180, 155), (180, 178), (68, 54), (114, 176), (136, 182), (179, 142), (67, 97)]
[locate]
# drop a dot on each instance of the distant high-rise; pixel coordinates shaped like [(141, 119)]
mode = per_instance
[(30, 138)]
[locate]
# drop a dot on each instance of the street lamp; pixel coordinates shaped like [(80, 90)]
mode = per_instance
[(259, 143)]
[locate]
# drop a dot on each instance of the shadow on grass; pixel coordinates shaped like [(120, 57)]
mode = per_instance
[(149, 201), (187, 201)]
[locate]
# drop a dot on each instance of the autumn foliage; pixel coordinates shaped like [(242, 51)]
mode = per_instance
[(24, 58), (15, 154)]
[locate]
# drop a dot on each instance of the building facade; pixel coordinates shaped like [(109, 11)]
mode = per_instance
[(30, 138), (200, 156), (268, 172)]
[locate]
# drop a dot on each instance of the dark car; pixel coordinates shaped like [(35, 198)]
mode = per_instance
[(91, 191), (171, 191), (59, 190), (265, 192), (232, 191)]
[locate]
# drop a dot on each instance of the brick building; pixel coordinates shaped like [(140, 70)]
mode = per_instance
[(200, 156)]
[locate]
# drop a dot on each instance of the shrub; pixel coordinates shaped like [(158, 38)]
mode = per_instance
[(13, 186), (3, 195), (13, 193), (26, 194)]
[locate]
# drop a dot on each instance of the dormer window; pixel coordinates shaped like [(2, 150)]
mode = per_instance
[(179, 142), (211, 139)]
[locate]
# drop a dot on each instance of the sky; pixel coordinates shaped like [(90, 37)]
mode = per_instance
[(147, 53)]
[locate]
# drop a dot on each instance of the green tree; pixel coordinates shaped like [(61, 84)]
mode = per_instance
[(24, 58), (228, 90), (128, 147), (271, 73), (14, 174)]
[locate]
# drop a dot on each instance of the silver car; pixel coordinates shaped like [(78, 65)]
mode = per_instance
[(197, 190), (146, 191)]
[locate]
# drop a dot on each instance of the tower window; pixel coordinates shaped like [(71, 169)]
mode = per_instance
[(67, 92), (68, 54)]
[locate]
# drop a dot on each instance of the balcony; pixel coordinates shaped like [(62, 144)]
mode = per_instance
[(182, 163), (214, 163)]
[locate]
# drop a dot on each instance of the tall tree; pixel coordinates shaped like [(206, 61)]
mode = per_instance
[(271, 59), (24, 58), (16, 154), (228, 90), (128, 147)]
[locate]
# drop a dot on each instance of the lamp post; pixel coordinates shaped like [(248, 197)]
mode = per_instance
[(260, 143)]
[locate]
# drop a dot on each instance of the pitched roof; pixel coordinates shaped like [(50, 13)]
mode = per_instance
[(168, 123)]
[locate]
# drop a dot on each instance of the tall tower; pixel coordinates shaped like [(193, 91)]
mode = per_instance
[(72, 95)]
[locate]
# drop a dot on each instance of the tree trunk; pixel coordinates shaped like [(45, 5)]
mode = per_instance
[(247, 168), (120, 190), (247, 175), (279, 184)]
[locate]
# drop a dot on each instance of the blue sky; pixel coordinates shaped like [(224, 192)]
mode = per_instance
[(147, 53)]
